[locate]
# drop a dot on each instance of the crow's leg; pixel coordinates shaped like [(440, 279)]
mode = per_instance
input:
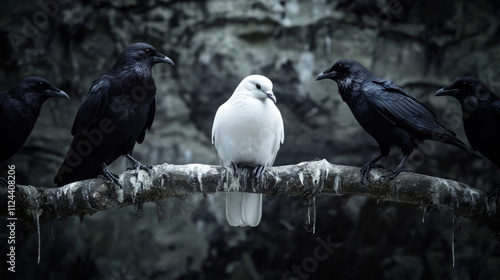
[(369, 165), (137, 165), (395, 172), (110, 175), (258, 171)]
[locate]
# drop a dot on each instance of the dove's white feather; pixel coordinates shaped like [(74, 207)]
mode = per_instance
[(248, 130)]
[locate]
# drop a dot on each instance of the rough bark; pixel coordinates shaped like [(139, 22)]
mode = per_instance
[(303, 179)]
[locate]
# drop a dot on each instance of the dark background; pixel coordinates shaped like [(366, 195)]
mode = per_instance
[(420, 45)]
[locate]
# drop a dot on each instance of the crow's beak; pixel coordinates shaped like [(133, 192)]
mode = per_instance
[(271, 96), (447, 91), (326, 75), (55, 92), (161, 58)]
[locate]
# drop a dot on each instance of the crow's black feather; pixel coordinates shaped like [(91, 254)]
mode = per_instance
[(19, 110), (116, 113), (387, 112), (480, 113)]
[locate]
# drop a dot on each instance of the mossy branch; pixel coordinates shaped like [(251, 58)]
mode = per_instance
[(306, 178)]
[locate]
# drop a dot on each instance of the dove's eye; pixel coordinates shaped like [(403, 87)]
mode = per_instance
[(257, 86)]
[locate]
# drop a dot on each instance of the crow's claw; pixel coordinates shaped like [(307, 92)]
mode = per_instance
[(137, 165), (110, 175), (365, 170), (140, 166), (393, 173)]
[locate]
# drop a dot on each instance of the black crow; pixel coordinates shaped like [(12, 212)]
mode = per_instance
[(19, 109), (387, 112), (480, 113), (116, 113)]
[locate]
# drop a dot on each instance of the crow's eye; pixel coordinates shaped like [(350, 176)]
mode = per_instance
[(148, 51), (257, 86)]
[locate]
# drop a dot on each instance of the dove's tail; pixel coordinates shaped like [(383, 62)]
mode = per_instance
[(243, 209)]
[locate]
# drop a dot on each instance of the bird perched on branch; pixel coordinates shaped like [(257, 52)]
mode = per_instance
[(480, 113), (19, 110), (116, 113), (247, 131), (387, 112)]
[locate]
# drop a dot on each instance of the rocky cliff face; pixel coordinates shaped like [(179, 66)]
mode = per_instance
[(420, 45)]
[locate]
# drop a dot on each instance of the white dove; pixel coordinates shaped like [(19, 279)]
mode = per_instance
[(247, 131)]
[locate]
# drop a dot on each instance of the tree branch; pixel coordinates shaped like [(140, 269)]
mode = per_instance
[(306, 178)]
